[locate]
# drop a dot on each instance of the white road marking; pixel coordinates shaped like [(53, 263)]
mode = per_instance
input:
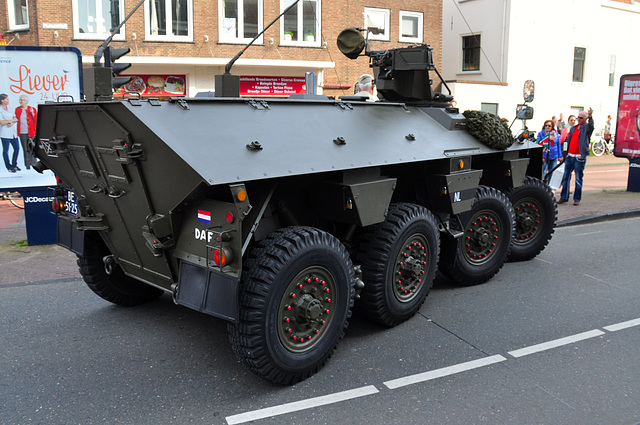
[(445, 371), (301, 405), (622, 325), (420, 377), (555, 343)]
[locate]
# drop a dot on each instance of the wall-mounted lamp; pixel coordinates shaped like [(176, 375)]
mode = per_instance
[(55, 34), (134, 35), (206, 38)]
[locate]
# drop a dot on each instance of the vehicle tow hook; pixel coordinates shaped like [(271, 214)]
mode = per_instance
[(109, 264)]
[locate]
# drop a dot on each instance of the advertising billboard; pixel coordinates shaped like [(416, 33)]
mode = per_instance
[(30, 76), (154, 86), (628, 124)]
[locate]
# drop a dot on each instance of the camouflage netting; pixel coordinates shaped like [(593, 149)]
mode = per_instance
[(489, 129)]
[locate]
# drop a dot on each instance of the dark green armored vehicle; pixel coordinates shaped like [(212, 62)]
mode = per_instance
[(282, 215)]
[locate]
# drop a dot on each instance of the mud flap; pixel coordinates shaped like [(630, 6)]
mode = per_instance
[(208, 291)]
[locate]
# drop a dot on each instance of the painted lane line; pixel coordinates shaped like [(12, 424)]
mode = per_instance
[(445, 371), (555, 343), (301, 405), (622, 325)]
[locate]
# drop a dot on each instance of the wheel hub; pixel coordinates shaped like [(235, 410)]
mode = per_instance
[(411, 266), (306, 309), (481, 237), (528, 219)]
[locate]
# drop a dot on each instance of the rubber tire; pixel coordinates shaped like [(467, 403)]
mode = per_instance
[(270, 267), (453, 261), (117, 287), (536, 191), (381, 245), (598, 147)]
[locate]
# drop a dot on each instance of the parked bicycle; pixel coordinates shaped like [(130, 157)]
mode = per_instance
[(14, 197), (602, 146)]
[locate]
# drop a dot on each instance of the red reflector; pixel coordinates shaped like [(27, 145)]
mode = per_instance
[(229, 217), (219, 257), (55, 205)]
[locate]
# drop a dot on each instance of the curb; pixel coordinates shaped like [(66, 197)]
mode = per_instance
[(598, 218)]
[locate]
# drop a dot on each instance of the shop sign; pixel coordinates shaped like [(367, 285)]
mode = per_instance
[(271, 86), (154, 85)]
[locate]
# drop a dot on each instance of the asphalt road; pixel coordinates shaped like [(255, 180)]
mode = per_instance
[(549, 341)]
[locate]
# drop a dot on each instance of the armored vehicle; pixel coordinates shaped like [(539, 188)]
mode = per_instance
[(281, 216)]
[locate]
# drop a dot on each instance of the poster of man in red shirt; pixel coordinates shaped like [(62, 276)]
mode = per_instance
[(628, 125)]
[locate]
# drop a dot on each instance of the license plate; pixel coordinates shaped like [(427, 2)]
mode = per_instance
[(72, 203)]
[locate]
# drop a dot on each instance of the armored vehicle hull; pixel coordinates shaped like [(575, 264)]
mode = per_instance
[(276, 215), (283, 215)]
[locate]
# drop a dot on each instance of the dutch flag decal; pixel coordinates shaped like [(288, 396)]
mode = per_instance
[(204, 216)]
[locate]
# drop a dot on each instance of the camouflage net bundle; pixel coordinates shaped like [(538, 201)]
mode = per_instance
[(489, 129)]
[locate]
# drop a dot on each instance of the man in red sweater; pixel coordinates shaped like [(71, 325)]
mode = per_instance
[(579, 137)]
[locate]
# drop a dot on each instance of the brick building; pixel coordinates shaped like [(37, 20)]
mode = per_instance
[(194, 39)]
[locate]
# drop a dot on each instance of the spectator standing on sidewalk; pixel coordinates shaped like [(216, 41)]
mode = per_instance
[(560, 125), (579, 137), (550, 141)]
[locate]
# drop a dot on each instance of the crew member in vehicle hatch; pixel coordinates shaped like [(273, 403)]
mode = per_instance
[(366, 87), (579, 137), (27, 118), (8, 134)]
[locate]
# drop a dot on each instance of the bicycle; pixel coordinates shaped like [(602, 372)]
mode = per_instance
[(602, 146), (12, 197)]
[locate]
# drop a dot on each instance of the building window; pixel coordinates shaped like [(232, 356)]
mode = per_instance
[(579, 56), (612, 70), (240, 20), (301, 25), (377, 22), (492, 108), (168, 20), (94, 19), (18, 11), (411, 26), (471, 53)]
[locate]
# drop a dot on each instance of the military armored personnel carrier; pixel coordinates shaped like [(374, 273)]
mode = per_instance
[(282, 215)]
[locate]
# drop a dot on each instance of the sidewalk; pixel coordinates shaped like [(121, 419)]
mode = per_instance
[(21, 263), (599, 204)]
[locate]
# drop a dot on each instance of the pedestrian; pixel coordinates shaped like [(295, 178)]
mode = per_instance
[(8, 134), (578, 137), (560, 125), (571, 121), (552, 150), (367, 88), (607, 129), (27, 117)]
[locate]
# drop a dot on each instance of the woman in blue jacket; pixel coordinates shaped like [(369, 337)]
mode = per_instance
[(552, 150)]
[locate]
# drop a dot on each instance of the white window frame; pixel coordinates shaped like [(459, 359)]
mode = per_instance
[(385, 14), (420, 36), (318, 36), (169, 37), (240, 24), (95, 36), (11, 11)]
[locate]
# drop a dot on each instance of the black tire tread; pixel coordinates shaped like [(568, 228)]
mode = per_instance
[(262, 265), (451, 248), (524, 253), (116, 288), (374, 253)]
